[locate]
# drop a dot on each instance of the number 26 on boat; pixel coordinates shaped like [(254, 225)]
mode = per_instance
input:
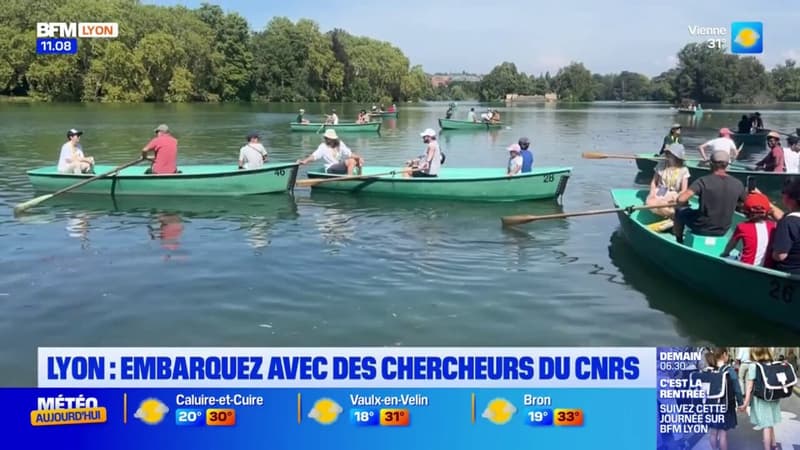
[(781, 291)]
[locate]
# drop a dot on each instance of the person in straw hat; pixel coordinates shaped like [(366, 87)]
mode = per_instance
[(671, 178), (337, 157), (774, 161)]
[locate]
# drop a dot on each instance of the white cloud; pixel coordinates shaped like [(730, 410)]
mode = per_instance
[(791, 54)]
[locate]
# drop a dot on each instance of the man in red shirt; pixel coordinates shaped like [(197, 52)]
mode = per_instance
[(774, 161), (165, 148)]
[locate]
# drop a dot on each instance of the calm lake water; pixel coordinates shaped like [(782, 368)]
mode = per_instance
[(316, 270)]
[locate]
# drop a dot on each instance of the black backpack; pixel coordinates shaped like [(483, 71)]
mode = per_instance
[(774, 380), (714, 383)]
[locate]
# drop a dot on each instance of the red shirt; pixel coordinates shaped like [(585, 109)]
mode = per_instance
[(166, 148), (755, 246)]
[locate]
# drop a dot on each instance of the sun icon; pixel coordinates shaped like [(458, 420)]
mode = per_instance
[(151, 411), (499, 411), (325, 411)]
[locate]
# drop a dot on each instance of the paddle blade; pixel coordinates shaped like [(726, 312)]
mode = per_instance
[(517, 220), (306, 183), (593, 155), (31, 203)]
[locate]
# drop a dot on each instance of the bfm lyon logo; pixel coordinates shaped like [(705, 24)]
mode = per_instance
[(62, 410)]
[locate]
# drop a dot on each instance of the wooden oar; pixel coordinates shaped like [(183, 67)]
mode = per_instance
[(42, 198), (597, 155), (518, 220), (315, 181)]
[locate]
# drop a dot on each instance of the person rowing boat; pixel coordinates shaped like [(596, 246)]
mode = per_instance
[(428, 164), (338, 158), (674, 137)]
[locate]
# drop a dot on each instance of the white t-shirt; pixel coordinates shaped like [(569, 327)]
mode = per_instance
[(723, 144), (331, 156), (486, 116), (471, 116), (334, 119), (514, 163), (251, 156), (791, 160), (66, 153)]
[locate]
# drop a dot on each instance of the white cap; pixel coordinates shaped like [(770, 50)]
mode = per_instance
[(428, 132)]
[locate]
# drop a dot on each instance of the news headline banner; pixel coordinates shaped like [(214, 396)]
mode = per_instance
[(406, 367)]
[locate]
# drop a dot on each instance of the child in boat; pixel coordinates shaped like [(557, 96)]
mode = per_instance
[(718, 358), (671, 178), (755, 233), (514, 160)]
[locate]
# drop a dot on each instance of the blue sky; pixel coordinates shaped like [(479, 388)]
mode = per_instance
[(475, 35)]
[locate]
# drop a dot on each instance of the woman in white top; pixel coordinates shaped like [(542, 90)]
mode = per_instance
[(337, 157), (72, 159), (670, 179)]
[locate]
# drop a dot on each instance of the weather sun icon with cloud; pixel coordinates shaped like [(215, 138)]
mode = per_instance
[(499, 411), (748, 37), (151, 411), (325, 411)]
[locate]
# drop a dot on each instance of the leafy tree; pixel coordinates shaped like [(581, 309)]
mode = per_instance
[(574, 83)]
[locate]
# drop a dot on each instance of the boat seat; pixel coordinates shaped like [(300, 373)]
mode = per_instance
[(713, 245)]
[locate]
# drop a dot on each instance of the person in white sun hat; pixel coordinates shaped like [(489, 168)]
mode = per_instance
[(337, 157), (428, 164)]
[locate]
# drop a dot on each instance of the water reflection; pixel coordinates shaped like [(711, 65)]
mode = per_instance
[(167, 228), (697, 316), (78, 227)]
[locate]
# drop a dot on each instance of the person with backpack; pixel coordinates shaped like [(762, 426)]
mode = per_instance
[(718, 363), (428, 164), (764, 414)]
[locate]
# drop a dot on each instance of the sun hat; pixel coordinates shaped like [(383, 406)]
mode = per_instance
[(514, 148), (757, 203), (74, 132), (773, 134), (302, 110), (721, 156), (330, 133), (428, 132), (677, 150), (725, 132), (675, 126), (163, 128)]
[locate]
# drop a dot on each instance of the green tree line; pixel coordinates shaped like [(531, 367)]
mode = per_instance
[(702, 74), (176, 54)]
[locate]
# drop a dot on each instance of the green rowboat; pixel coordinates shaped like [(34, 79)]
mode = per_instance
[(767, 182), (348, 127), (198, 180), (383, 115), (478, 184), (751, 140), (760, 292), (449, 124)]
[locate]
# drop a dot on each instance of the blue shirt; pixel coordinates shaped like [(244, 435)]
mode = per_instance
[(527, 160)]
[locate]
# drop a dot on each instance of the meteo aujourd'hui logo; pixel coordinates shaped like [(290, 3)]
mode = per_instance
[(62, 410), (747, 37)]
